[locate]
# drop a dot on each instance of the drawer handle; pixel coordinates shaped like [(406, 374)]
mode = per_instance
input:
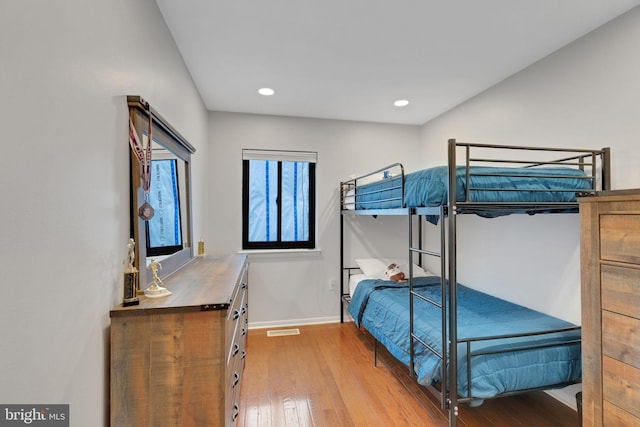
[(243, 285), (244, 309), (236, 349), (236, 412), (244, 354), (236, 314), (244, 331), (236, 378)]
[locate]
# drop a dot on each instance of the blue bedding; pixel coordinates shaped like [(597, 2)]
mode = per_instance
[(381, 307), (430, 187)]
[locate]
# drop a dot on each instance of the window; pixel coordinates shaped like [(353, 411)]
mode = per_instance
[(278, 199), (164, 233)]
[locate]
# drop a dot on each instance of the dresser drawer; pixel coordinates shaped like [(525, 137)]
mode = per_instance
[(232, 387), (621, 385), (614, 417), (236, 313), (235, 327), (621, 290), (238, 343), (620, 237), (239, 291), (620, 338), (237, 349)]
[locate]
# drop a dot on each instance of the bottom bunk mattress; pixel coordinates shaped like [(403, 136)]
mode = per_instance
[(382, 308)]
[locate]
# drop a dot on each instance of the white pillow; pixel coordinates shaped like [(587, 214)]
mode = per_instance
[(375, 267), (372, 267)]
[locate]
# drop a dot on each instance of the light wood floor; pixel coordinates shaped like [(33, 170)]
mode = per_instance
[(326, 377)]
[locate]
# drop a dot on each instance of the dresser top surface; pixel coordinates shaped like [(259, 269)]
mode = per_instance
[(203, 284)]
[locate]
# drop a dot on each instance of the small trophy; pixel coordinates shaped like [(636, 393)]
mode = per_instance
[(155, 290), (130, 296)]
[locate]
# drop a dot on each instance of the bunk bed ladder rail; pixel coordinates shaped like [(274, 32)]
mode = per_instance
[(413, 337), (450, 375)]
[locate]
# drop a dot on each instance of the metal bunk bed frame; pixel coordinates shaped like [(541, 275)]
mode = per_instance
[(581, 158)]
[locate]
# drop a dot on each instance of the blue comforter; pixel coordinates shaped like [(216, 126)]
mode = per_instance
[(430, 187), (381, 307)]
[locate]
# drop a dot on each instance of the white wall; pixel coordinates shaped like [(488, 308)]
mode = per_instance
[(294, 288), (66, 69), (584, 95)]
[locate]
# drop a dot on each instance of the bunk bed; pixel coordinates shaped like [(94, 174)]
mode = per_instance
[(447, 333)]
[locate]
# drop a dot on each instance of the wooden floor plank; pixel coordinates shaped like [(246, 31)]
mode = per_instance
[(326, 377)]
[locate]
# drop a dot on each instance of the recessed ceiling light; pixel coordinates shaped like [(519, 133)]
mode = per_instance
[(266, 91), (401, 103)]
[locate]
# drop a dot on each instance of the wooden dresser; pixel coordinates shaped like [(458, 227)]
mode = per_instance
[(178, 360), (610, 265)]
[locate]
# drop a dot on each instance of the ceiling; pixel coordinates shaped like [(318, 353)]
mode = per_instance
[(351, 59)]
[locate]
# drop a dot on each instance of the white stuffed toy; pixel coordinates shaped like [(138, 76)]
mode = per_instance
[(393, 273)]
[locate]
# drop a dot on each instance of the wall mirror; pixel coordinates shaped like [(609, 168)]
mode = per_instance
[(167, 235)]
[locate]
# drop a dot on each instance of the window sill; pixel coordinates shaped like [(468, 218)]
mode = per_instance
[(279, 251)]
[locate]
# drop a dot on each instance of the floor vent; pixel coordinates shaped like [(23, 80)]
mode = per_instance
[(283, 332)]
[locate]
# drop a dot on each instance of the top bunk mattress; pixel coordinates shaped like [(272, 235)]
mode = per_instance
[(430, 187)]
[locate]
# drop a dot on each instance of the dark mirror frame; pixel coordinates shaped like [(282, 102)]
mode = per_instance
[(169, 138)]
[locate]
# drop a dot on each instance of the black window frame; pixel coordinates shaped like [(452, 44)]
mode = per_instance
[(279, 244)]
